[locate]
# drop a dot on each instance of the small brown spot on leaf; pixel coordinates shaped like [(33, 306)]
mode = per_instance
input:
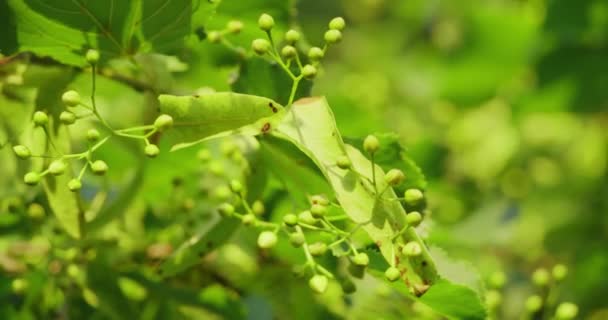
[(266, 127), (196, 95), (272, 107)]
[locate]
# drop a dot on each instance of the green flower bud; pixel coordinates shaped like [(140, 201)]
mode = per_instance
[(248, 219), (266, 22), (413, 218), (258, 208), (317, 249), (35, 211), (22, 152), (292, 36), (40, 118), (163, 122), (93, 135), (290, 219), (337, 23), (288, 52), (236, 186), (234, 26), (152, 150), (214, 36), (497, 279), (203, 155), (318, 283), (566, 311), (92, 56), (318, 210), (267, 239), (534, 303), (394, 177), (70, 98), (559, 272), (348, 287), (392, 274), (361, 259), (343, 162), (31, 178), (99, 167), (19, 285), (371, 144), (319, 199), (541, 277), (226, 209), (493, 299), (296, 239), (57, 167), (333, 36), (260, 46), (412, 249), (309, 71), (315, 53), (306, 217), (74, 271), (413, 196), (67, 117), (74, 185)]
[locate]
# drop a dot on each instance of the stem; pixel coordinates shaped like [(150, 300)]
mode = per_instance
[(294, 89), (374, 173)]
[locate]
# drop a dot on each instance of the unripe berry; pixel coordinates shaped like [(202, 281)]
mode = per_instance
[(534, 303), (22, 152), (309, 71), (318, 283), (92, 56), (361, 259), (234, 26), (71, 98), (57, 167), (236, 186), (290, 219), (248, 219), (394, 177), (392, 274), (67, 117), (260, 46), (317, 249), (497, 279), (40, 118), (315, 53), (412, 249), (266, 22), (559, 272), (163, 122), (337, 23), (319, 199), (333, 36), (214, 36), (151, 150), (306, 217), (371, 144), (93, 135), (318, 210), (343, 162), (296, 239), (541, 277), (413, 218), (99, 167), (566, 311), (74, 185), (258, 208), (267, 239), (288, 52), (31, 178), (226, 209), (493, 299), (292, 36), (412, 196)]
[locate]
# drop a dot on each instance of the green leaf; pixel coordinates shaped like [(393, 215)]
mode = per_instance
[(262, 78), (392, 154), (310, 125), (454, 301), (166, 23), (205, 241), (199, 118)]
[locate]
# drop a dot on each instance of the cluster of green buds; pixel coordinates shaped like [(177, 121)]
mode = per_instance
[(76, 108)]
